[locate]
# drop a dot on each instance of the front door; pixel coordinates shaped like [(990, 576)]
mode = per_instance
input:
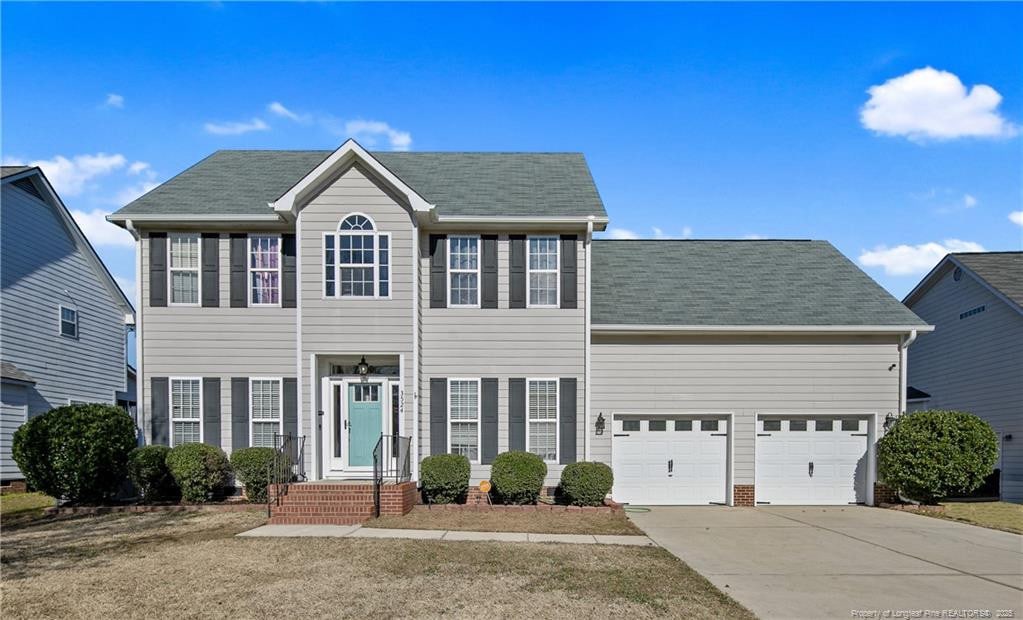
[(365, 422)]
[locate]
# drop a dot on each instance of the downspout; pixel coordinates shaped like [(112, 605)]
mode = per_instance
[(417, 284), (586, 346), (140, 381), (903, 374)]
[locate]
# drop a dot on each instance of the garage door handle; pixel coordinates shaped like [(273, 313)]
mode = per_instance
[(811, 469), (671, 465), (719, 434)]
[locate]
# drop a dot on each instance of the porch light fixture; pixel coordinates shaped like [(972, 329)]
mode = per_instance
[(889, 420), (362, 368), (599, 425)]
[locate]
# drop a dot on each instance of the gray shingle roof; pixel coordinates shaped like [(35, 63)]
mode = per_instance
[(499, 184), (1002, 270), (6, 171), (754, 283), (10, 371)]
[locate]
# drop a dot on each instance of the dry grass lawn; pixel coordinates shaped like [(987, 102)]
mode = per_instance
[(995, 515), (191, 565), (19, 508), (533, 522)]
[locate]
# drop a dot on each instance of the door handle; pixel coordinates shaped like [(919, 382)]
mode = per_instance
[(811, 469)]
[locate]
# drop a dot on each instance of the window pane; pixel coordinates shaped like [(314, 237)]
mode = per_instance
[(851, 425), (464, 439), (683, 425), (543, 288), (772, 425), (265, 287), (264, 252), (464, 403), (543, 253), (356, 222), (797, 425), (823, 425), (184, 252), (543, 440), (709, 425), (464, 253), (543, 400), (357, 282), (185, 432), (69, 322), (657, 425), (463, 289), (266, 399), (630, 425), (185, 398), (184, 287), (263, 434)]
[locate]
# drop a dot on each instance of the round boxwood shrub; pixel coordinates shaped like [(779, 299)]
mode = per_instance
[(585, 483), (518, 477), (199, 469), (147, 469), (928, 455), (78, 453), (445, 478), (253, 467)]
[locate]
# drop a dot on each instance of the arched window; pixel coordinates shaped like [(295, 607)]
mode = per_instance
[(357, 260)]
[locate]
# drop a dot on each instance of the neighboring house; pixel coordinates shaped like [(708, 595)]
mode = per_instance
[(974, 359), (446, 297), (63, 317)]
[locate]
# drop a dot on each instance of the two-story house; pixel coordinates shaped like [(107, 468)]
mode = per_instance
[(459, 300)]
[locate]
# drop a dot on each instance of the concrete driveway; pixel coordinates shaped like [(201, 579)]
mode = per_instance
[(833, 562)]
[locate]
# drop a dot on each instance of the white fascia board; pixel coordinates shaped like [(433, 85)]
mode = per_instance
[(193, 217), (349, 151), (760, 329), (497, 222)]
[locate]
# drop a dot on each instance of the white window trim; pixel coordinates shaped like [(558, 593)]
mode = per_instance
[(556, 270), (479, 416), (377, 235), (280, 411), (250, 269), (557, 416), (197, 269), (60, 321), (170, 409), (478, 271)]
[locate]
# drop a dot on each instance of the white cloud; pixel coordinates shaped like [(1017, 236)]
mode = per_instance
[(139, 167), (931, 104), (969, 201), (70, 176), (101, 232), (127, 285), (685, 233), (236, 128), (621, 233), (753, 236), (905, 260), (131, 192), (114, 101), (368, 132), (278, 108), (1016, 217)]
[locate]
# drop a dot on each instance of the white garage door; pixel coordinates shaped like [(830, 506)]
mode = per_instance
[(670, 460), (811, 460)]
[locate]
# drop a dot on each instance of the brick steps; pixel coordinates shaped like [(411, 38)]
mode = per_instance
[(339, 504)]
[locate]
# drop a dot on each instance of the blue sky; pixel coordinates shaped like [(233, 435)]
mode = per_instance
[(702, 121)]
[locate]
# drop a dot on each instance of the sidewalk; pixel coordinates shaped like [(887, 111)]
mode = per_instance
[(357, 531)]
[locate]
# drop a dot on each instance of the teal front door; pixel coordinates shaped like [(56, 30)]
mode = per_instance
[(365, 422)]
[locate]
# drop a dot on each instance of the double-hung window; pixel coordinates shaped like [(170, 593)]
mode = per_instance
[(265, 270), (542, 267), (265, 411), (184, 269), (464, 418), (68, 322), (357, 260), (464, 271), (186, 411), (542, 418)]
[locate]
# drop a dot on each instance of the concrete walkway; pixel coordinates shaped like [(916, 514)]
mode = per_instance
[(844, 562), (357, 531)]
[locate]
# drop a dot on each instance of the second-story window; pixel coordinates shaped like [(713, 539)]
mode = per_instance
[(464, 271), (184, 269), (264, 270), (543, 272), (357, 260)]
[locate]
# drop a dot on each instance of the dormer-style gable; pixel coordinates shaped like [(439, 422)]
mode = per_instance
[(1001, 273)]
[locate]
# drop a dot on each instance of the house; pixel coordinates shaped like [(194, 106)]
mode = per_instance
[(460, 300), (974, 359), (64, 318)]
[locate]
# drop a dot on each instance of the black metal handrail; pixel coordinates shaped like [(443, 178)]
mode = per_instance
[(392, 462), (286, 467)]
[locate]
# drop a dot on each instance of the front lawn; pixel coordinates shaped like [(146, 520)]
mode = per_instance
[(18, 508), (995, 515), (530, 521), (191, 565)]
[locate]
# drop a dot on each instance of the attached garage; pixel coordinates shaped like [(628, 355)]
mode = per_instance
[(671, 459)]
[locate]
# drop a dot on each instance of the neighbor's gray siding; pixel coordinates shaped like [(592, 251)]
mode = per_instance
[(744, 376), (43, 268), (974, 364), (502, 343)]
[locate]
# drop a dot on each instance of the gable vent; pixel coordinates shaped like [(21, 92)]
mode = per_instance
[(969, 313), (28, 186)]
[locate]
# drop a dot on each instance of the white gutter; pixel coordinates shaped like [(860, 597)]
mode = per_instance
[(589, 220), (140, 381), (197, 217), (760, 329), (903, 374), (586, 347)]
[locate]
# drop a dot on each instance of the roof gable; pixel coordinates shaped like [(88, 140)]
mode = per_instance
[(999, 272)]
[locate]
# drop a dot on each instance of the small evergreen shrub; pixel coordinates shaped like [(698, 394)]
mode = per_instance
[(586, 483), (147, 469), (445, 478), (199, 469), (929, 455), (518, 477), (78, 452), (253, 466)]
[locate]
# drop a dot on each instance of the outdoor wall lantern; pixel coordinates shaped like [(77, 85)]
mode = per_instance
[(362, 368), (599, 426), (889, 420)]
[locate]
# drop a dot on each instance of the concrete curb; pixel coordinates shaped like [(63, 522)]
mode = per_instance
[(357, 531)]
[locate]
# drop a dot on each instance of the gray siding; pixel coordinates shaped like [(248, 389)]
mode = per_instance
[(974, 364), (43, 268), (743, 376), (502, 343)]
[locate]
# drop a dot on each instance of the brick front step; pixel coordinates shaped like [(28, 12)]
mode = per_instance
[(339, 504), (317, 520)]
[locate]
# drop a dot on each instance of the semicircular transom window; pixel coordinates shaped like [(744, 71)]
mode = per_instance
[(356, 222), (357, 260)]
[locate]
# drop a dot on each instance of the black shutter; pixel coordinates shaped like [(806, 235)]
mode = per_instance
[(239, 270), (517, 271), (239, 412), (160, 410), (290, 398), (289, 287), (488, 298), (438, 416), (438, 272), (210, 270), (157, 270), (569, 272), (489, 420), (567, 420), (211, 411), (516, 414)]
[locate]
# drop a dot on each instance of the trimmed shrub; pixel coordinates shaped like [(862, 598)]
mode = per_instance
[(928, 455), (147, 469), (252, 466), (586, 483), (78, 453), (199, 469), (518, 477), (445, 478)]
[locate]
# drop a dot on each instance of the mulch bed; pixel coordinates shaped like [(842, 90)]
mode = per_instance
[(913, 507), (608, 507), (102, 510)]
